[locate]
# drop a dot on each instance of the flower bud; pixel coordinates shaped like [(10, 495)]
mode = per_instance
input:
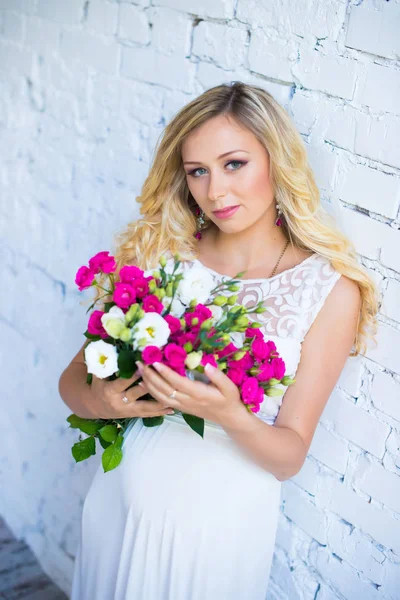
[(254, 371), (152, 286), (220, 300), (207, 324), (288, 380), (239, 355), (195, 321), (242, 321), (235, 309), (156, 274), (193, 359), (183, 323), (232, 300), (169, 290), (114, 327), (131, 313), (163, 261), (274, 392), (273, 381), (234, 287), (188, 346), (160, 293), (126, 335), (254, 325), (260, 309), (222, 366), (193, 303)]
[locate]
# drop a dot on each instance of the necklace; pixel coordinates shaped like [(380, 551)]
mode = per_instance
[(282, 253)]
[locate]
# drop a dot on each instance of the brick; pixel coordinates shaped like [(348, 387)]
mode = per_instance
[(390, 584), (67, 13), (385, 394), (356, 424), (379, 88), (323, 162), (343, 578), (224, 45), (15, 59), (171, 31), (372, 239), (350, 379), (334, 75), (391, 301), (359, 187), (12, 27), (346, 503), (42, 36), (207, 8), (374, 28), (144, 64), (387, 338), (353, 547), (299, 508), (377, 138), (82, 46), (306, 478), (102, 17), (379, 483), (133, 24), (329, 449), (272, 55)]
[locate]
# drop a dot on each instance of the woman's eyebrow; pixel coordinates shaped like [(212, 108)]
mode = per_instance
[(187, 162)]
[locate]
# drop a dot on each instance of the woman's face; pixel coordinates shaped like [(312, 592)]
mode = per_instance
[(226, 165)]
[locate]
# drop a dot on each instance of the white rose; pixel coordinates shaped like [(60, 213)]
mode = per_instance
[(217, 312), (196, 284), (112, 319), (101, 359), (177, 308), (151, 330)]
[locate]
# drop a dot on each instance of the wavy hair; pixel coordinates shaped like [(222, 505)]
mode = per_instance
[(168, 221)]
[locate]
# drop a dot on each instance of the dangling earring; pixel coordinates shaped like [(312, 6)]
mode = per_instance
[(278, 221), (200, 223)]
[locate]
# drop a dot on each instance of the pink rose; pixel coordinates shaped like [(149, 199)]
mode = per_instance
[(227, 350), (267, 371), (152, 354), (208, 359), (279, 367), (254, 332), (102, 262), (249, 390), (84, 278), (141, 286), (236, 375), (174, 355), (202, 312), (260, 349), (174, 323), (255, 408), (130, 272), (246, 363), (124, 295), (152, 304), (271, 346), (95, 326)]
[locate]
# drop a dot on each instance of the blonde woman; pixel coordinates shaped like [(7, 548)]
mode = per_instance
[(186, 518)]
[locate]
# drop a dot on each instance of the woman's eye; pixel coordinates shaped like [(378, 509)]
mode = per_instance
[(237, 162)]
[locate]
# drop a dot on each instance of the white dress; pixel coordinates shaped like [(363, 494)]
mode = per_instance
[(190, 518)]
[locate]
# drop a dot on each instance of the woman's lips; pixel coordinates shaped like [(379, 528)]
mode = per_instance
[(226, 213)]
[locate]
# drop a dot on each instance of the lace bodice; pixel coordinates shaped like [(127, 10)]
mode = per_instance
[(293, 299)]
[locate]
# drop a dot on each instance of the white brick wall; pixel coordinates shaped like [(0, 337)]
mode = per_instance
[(86, 88)]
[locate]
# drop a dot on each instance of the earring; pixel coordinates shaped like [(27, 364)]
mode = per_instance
[(200, 222), (278, 221)]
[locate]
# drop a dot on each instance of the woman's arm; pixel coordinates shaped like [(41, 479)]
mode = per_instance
[(282, 448), (74, 390)]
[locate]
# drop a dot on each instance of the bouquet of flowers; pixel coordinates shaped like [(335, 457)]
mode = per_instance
[(180, 319)]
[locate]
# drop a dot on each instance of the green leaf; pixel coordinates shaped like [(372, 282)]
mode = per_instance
[(83, 449), (92, 337), (112, 456), (103, 442), (109, 433), (126, 363), (196, 423), (108, 305), (153, 421), (89, 378), (88, 426)]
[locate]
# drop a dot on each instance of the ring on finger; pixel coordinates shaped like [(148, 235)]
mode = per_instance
[(125, 399), (172, 395)]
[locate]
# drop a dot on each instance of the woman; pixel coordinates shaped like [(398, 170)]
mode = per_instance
[(186, 518)]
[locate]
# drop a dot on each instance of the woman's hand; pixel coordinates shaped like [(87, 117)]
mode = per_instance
[(218, 401), (109, 404)]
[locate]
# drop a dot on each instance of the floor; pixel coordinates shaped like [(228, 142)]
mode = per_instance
[(20, 574)]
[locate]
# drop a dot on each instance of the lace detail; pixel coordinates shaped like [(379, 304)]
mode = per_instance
[(293, 300)]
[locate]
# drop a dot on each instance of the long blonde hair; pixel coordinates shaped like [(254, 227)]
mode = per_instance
[(168, 221)]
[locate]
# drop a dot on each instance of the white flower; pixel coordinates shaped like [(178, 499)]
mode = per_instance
[(270, 405), (217, 312), (193, 359), (113, 321), (150, 330), (196, 284), (237, 338), (101, 359), (177, 308)]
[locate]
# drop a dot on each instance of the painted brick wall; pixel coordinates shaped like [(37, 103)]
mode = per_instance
[(86, 88)]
